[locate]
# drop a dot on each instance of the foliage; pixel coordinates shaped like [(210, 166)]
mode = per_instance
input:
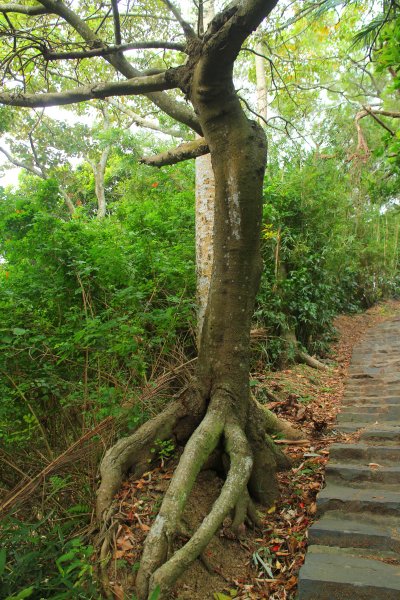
[(39, 561), (78, 296), (324, 253)]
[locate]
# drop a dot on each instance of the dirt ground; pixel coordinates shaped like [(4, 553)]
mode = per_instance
[(266, 562)]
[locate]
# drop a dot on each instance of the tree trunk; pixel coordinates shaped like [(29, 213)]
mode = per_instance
[(99, 172), (262, 88), (218, 413), (205, 193), (68, 202), (238, 155)]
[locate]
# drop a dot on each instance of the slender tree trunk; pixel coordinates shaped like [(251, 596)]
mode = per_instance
[(262, 86), (99, 172), (68, 202), (205, 193)]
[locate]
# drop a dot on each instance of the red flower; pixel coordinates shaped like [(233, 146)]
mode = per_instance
[(155, 184)]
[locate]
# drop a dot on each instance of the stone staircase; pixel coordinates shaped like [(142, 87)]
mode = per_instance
[(354, 546)]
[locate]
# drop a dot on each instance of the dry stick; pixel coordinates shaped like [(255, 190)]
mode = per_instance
[(15, 467)]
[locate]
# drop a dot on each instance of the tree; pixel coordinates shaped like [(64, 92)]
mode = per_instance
[(44, 147), (217, 413)]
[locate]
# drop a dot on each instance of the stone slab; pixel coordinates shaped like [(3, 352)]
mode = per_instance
[(379, 500), (339, 576), (356, 531), (365, 453), (356, 472)]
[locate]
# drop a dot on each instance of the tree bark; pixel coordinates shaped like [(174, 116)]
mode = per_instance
[(99, 170), (204, 225)]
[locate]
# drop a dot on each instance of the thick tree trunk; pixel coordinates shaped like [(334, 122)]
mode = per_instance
[(238, 154), (226, 419)]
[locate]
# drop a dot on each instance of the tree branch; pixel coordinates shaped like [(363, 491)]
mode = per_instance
[(378, 120), (232, 26), (112, 50), (138, 120), (134, 86), (182, 152), (24, 10), (117, 22), (17, 163), (187, 28), (171, 107)]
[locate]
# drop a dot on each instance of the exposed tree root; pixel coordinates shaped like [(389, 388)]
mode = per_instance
[(133, 453), (164, 574), (274, 425), (310, 361), (300, 355), (250, 460), (159, 542)]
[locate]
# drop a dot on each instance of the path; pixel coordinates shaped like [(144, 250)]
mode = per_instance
[(354, 547)]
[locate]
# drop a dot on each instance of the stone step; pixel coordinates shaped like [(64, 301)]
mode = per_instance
[(367, 417), (374, 498), (373, 390), (352, 473), (353, 530), (385, 455), (331, 574), (384, 431), (370, 400), (388, 432), (392, 410)]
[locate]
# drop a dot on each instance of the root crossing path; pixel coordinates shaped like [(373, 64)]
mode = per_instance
[(354, 547)]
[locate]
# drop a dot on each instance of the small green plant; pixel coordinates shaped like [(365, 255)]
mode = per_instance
[(38, 561), (163, 450), (262, 560)]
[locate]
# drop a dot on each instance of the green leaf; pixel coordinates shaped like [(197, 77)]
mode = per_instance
[(19, 331), (155, 593), (26, 593)]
